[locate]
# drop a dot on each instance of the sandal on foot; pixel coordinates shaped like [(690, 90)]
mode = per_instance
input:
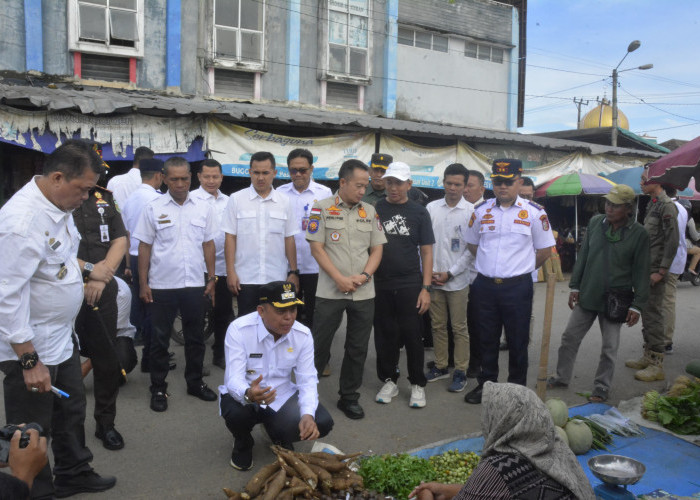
[(555, 383), (598, 396)]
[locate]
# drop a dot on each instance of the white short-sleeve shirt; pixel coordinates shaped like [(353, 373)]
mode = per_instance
[(132, 210), (219, 203), (123, 186), (506, 237), (176, 233), (260, 226), (302, 203)]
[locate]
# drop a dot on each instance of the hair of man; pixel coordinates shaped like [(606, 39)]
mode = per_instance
[(527, 181), (478, 175), (671, 192), (72, 158), (457, 169), (347, 169), (176, 161), (300, 153), (143, 153), (262, 156), (212, 163)]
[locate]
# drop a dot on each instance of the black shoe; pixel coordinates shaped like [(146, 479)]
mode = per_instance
[(242, 454), (352, 409), (503, 346), (473, 371), (202, 392), (159, 401), (85, 482), (111, 439), (668, 349), (220, 362), (474, 396)]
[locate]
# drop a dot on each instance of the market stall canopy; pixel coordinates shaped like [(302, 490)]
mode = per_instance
[(574, 184), (677, 167), (631, 177)]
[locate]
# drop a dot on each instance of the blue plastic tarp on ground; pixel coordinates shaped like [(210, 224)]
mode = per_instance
[(673, 465)]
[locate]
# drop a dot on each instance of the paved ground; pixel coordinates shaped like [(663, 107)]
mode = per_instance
[(184, 452)]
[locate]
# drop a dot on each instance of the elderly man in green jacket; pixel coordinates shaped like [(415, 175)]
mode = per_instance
[(614, 255)]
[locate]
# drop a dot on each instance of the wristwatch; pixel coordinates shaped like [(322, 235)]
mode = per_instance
[(215, 279), (449, 276), (28, 360), (427, 287), (87, 269), (293, 271), (246, 398), (366, 275)]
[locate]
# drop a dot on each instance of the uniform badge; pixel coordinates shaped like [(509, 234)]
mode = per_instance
[(379, 222), (492, 228), (162, 216), (472, 220), (523, 214), (313, 226), (545, 223), (487, 216), (290, 349), (315, 211), (98, 195), (335, 236), (362, 213), (62, 272)]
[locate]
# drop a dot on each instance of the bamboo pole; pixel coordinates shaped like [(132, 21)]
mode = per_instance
[(546, 333)]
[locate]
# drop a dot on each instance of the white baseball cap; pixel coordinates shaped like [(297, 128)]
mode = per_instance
[(399, 170)]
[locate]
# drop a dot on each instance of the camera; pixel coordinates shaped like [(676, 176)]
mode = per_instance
[(6, 434)]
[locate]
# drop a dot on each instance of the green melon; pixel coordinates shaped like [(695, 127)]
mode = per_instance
[(559, 411), (580, 436)]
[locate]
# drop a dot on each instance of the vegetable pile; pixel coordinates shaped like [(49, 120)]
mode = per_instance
[(679, 410), (304, 475), (395, 475), (453, 466)]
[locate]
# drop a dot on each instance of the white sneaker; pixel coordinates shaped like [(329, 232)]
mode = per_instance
[(417, 397), (389, 390)]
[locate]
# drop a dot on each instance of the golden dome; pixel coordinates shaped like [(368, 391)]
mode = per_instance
[(601, 116)]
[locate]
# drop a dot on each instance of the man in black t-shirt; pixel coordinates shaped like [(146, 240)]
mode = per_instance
[(402, 284)]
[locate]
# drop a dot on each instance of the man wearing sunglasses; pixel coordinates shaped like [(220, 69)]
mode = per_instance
[(501, 234)]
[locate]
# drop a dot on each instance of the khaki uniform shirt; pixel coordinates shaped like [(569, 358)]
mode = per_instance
[(662, 225), (347, 234)]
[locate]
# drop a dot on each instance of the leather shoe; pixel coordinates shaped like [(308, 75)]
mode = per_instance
[(111, 439), (159, 401), (220, 362), (84, 482), (352, 409), (474, 396), (202, 392)]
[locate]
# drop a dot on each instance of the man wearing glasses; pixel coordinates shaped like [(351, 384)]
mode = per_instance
[(303, 192), (501, 234)]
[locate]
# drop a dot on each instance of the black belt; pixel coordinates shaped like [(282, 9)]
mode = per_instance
[(505, 281)]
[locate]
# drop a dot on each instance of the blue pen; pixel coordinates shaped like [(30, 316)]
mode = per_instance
[(58, 392)]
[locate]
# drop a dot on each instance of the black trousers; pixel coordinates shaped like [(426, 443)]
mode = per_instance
[(140, 315), (222, 316), (327, 318), (397, 322), (62, 419), (474, 346), (505, 306), (282, 426), (307, 293), (97, 331), (190, 302), (248, 299)]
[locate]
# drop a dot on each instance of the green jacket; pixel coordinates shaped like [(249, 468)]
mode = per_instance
[(661, 222), (628, 267)]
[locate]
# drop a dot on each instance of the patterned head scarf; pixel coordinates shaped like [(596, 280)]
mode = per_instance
[(515, 421)]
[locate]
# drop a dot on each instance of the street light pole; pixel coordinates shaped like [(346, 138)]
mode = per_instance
[(630, 48)]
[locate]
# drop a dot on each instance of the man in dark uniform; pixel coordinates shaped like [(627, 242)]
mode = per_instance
[(103, 240)]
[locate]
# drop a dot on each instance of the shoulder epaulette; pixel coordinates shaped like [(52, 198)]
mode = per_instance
[(479, 204), (536, 205), (104, 189)]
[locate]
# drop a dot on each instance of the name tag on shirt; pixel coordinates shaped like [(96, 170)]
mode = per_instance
[(455, 244), (255, 355), (104, 233)]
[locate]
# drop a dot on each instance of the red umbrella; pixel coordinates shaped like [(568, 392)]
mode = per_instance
[(676, 168)]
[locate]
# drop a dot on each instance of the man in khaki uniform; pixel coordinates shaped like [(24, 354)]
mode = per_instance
[(346, 240), (662, 225)]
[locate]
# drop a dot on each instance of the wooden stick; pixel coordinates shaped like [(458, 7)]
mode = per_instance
[(546, 333)]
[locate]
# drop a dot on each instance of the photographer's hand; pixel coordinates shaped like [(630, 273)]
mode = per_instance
[(27, 462)]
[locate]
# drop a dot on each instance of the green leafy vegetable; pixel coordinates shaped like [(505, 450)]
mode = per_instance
[(395, 475), (680, 414)]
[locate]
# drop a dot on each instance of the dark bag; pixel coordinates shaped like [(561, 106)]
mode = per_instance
[(617, 303)]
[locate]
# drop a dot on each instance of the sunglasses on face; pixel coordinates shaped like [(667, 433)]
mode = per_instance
[(295, 171), (499, 182)]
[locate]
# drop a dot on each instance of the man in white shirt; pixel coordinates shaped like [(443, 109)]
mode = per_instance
[(451, 261), (303, 192), (210, 179), (123, 185), (677, 268), (176, 248), (41, 291), (260, 227), (262, 350), (151, 173)]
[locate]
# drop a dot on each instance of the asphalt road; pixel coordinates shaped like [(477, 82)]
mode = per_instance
[(184, 452)]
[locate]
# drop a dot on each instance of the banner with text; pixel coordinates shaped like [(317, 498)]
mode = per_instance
[(233, 145)]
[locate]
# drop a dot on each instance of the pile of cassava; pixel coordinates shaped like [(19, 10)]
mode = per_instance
[(319, 475)]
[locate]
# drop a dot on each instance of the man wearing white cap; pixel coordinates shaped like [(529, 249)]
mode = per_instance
[(402, 284)]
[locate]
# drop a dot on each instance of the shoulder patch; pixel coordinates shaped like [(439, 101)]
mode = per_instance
[(536, 205)]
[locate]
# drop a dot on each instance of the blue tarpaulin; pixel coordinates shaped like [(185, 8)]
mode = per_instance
[(672, 464)]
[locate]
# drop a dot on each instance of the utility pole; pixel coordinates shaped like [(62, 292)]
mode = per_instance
[(578, 106)]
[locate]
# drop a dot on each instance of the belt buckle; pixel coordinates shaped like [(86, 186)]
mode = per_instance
[(498, 281)]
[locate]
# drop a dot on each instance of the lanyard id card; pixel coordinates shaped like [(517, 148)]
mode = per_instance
[(104, 233)]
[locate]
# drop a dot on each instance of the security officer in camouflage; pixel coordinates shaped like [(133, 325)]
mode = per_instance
[(661, 222), (104, 242)]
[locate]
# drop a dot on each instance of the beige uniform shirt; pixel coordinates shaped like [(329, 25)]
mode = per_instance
[(347, 234)]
